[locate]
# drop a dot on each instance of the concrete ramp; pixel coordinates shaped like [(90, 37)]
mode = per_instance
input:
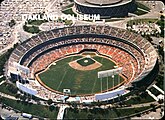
[(61, 112)]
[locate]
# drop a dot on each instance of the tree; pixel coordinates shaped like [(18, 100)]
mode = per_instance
[(12, 88), (76, 110), (160, 101), (138, 98), (23, 97), (51, 108), (85, 109), (127, 25), (90, 116), (161, 12), (74, 104), (144, 94), (153, 106), (162, 17), (17, 95), (12, 23), (136, 111), (139, 115), (0, 99), (50, 101), (71, 0)]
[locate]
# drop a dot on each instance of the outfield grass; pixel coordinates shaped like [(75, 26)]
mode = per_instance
[(62, 76)]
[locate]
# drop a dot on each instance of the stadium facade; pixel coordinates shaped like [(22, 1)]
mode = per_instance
[(106, 8)]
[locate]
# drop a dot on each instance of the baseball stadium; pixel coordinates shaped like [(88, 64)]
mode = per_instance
[(69, 62)]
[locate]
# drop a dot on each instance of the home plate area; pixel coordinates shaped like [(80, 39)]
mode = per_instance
[(85, 63)]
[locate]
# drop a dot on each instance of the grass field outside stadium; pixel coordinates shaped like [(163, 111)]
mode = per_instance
[(61, 76)]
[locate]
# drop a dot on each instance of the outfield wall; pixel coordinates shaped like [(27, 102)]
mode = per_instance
[(109, 95)]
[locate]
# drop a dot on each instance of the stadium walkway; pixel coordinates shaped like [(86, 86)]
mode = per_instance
[(152, 95), (158, 89), (2, 82), (7, 96), (61, 112)]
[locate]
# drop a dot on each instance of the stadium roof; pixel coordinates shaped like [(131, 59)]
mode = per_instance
[(96, 3), (103, 2)]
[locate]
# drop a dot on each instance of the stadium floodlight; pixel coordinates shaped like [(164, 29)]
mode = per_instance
[(107, 73), (113, 80), (113, 76)]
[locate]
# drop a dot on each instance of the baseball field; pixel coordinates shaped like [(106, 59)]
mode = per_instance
[(80, 76)]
